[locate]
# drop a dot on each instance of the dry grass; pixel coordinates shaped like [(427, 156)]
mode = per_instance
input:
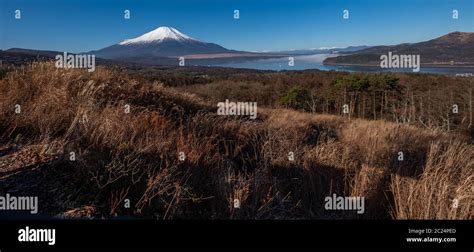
[(135, 155), (445, 188)]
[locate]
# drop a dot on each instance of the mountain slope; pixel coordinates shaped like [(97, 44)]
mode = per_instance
[(456, 46), (133, 155), (161, 42)]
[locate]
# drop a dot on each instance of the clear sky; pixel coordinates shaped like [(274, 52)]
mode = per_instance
[(83, 25)]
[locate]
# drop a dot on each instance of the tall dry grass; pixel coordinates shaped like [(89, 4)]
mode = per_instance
[(445, 188), (135, 155)]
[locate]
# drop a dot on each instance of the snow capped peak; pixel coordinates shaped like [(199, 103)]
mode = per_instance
[(158, 35), (325, 48)]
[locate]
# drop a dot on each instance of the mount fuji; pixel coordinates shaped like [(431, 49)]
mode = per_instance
[(162, 46), (162, 42)]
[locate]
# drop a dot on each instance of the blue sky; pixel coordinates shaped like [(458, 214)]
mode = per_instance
[(83, 25)]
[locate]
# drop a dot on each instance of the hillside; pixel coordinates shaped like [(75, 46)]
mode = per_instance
[(134, 155), (456, 46)]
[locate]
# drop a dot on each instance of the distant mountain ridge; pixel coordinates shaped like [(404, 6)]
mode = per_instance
[(455, 48), (164, 46), (343, 50), (18, 56)]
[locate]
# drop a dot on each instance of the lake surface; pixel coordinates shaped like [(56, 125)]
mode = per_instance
[(315, 61)]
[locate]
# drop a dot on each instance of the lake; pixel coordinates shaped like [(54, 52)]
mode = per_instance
[(315, 61)]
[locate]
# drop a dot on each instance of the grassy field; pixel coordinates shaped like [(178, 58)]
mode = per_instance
[(125, 135)]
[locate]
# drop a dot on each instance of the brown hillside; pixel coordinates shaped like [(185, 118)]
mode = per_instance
[(134, 155)]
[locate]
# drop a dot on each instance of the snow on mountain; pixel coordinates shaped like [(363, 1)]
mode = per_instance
[(158, 35), (324, 48), (161, 42)]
